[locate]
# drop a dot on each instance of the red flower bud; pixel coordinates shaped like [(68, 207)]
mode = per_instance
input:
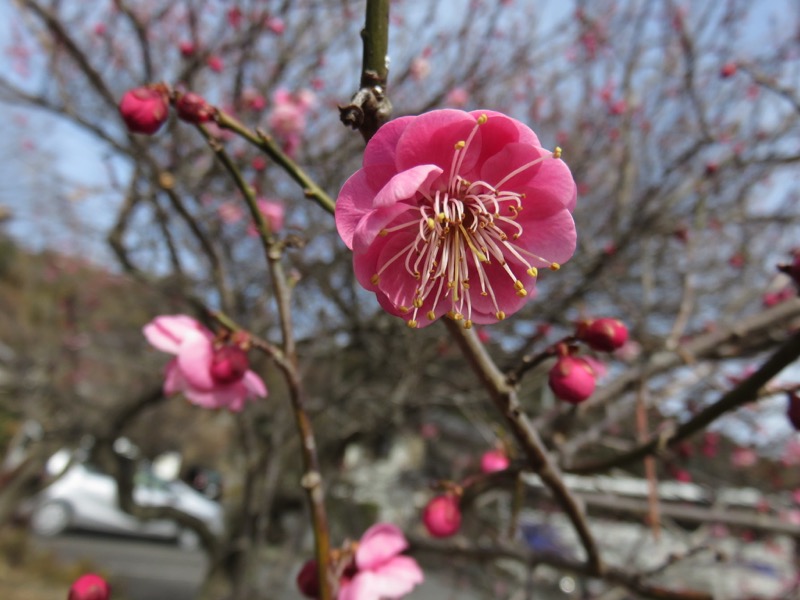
[(193, 108), (442, 516), (308, 579), (145, 109), (493, 461), (186, 48), (572, 379), (89, 587), (603, 335), (229, 364)]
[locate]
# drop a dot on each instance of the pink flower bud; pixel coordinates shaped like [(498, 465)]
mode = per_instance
[(308, 579), (145, 109), (215, 63), (229, 364), (572, 379), (793, 410), (728, 70), (193, 108), (603, 335), (442, 516), (89, 587), (493, 461), (186, 49)]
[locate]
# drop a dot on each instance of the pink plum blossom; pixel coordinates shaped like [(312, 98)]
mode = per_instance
[(457, 97), (287, 119), (273, 213), (454, 213), (572, 379), (381, 571), (208, 373)]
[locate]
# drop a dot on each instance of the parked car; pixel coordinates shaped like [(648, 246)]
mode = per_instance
[(86, 498)]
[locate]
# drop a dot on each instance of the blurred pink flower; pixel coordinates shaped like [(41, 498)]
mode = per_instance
[(457, 97), (207, 373), (420, 68), (435, 216), (230, 212), (273, 213), (275, 25), (287, 119), (743, 457), (215, 63), (381, 571)]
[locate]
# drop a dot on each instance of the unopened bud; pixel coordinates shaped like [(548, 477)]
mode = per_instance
[(572, 379), (89, 587), (442, 516), (603, 335), (145, 109)]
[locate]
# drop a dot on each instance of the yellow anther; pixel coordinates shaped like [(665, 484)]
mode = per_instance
[(451, 285), (403, 309), (500, 315), (411, 323), (417, 302), (457, 316), (375, 279), (431, 223), (468, 324), (555, 266), (442, 217), (484, 293), (518, 285), (482, 119), (533, 272), (417, 276), (557, 152), (522, 293), (431, 315), (383, 232), (460, 145), (465, 284)]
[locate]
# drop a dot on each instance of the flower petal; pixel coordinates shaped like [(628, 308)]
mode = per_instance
[(406, 185), (373, 223), (167, 331), (194, 359), (379, 544), (430, 139), (382, 148), (174, 381), (254, 385), (355, 201)]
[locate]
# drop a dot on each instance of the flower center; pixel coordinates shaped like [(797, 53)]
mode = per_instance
[(229, 364), (462, 231)]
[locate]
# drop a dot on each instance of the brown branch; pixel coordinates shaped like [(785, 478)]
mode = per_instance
[(505, 399), (747, 391)]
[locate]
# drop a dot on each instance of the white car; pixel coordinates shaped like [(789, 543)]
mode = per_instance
[(86, 498)]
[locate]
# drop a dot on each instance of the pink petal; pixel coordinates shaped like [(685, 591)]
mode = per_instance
[(371, 225), (504, 130), (194, 359), (406, 185), (173, 378), (554, 180), (510, 158), (380, 543), (167, 331), (430, 139), (548, 232), (209, 399), (394, 580), (254, 385), (382, 148), (356, 198)]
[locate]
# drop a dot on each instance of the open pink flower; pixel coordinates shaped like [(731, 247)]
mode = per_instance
[(453, 213), (381, 571), (206, 372)]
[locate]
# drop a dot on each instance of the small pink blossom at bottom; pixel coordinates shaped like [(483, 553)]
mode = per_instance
[(572, 379), (89, 587), (493, 461), (207, 373), (381, 571), (442, 516)]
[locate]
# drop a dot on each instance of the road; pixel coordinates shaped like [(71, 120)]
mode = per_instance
[(140, 569)]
